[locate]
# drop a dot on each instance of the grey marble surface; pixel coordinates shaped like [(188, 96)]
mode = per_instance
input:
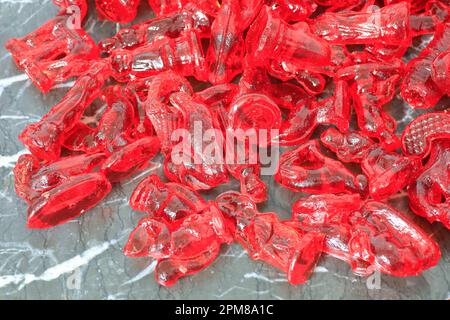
[(83, 258)]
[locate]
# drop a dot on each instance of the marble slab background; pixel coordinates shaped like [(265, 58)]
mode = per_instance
[(83, 259)]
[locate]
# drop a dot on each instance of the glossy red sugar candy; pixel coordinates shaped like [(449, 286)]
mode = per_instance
[(117, 10), (72, 198), (429, 194), (420, 134), (53, 53), (306, 169), (44, 138)]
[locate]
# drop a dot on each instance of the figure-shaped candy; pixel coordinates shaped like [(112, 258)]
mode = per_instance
[(226, 52), (429, 195), (303, 120), (196, 161), (172, 26), (119, 11), (441, 72), (119, 120), (418, 88), (292, 10), (163, 116), (189, 248), (130, 159), (421, 133), (271, 240), (373, 85), (388, 25), (183, 55), (53, 53), (306, 169), (31, 178), (162, 7), (171, 202), (44, 138), (271, 38), (370, 236), (256, 113), (388, 172)]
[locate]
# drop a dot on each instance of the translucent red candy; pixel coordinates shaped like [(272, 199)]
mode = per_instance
[(117, 10), (306, 169), (371, 236), (268, 239), (53, 53), (429, 194), (217, 87), (420, 134), (418, 88)]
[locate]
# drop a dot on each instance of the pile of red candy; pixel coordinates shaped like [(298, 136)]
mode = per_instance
[(290, 65)]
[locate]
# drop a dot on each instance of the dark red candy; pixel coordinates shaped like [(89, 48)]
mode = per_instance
[(429, 195), (420, 134), (53, 53), (117, 10), (68, 200), (130, 159), (306, 169)]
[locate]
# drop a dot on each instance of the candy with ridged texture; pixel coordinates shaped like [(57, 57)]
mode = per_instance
[(130, 159), (44, 138), (418, 88), (420, 134), (388, 25), (306, 169), (70, 199), (53, 53), (429, 194), (170, 25), (183, 55)]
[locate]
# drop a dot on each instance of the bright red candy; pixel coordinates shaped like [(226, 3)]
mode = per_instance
[(370, 236), (117, 10), (44, 138), (421, 133), (441, 72), (162, 7), (418, 88), (73, 197), (171, 25), (183, 55), (271, 38), (130, 159), (306, 169), (429, 195), (53, 53), (388, 25)]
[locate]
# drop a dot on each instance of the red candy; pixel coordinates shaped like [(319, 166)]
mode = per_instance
[(218, 87), (53, 53), (371, 236), (429, 195), (117, 10)]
